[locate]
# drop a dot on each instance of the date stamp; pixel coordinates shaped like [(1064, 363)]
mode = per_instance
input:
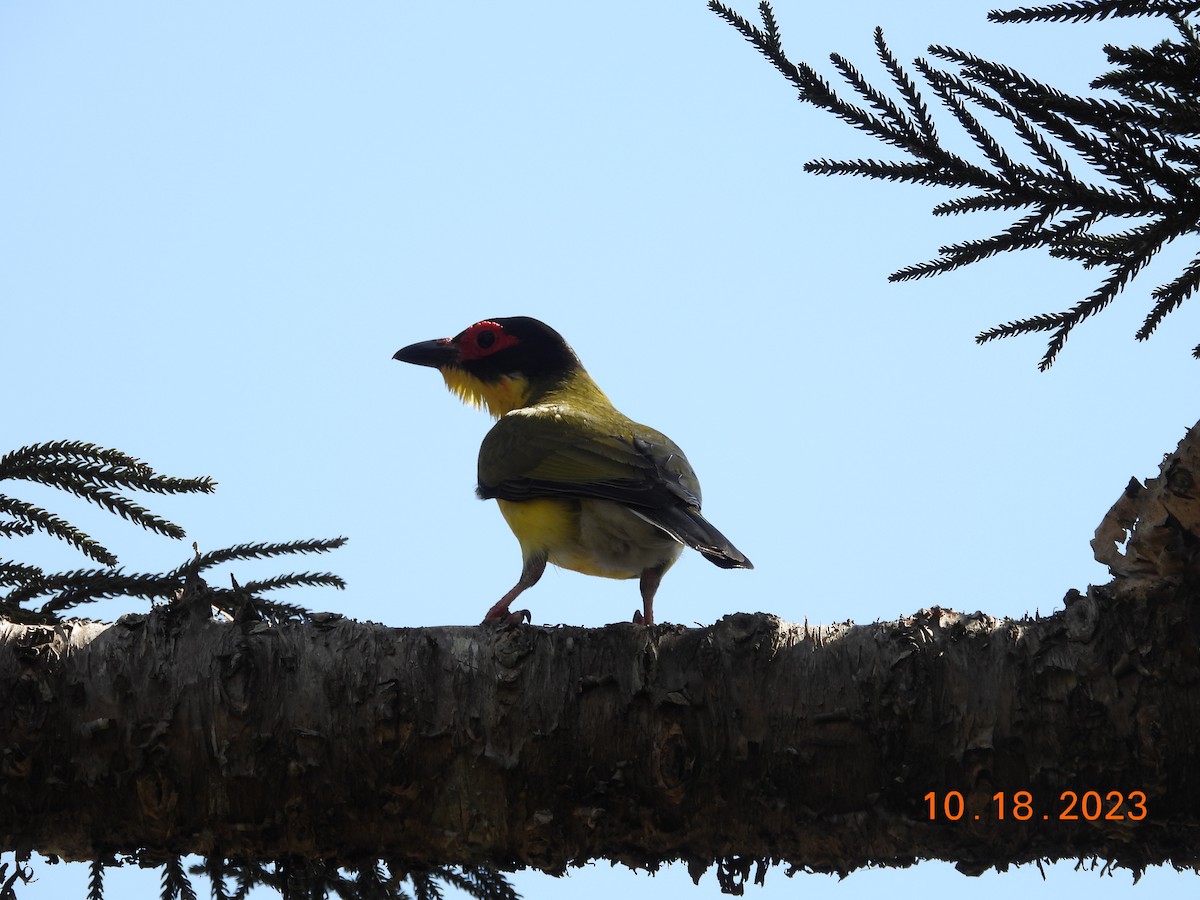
[(1090, 806)]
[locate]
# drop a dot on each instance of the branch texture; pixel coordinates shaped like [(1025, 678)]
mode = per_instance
[(747, 743)]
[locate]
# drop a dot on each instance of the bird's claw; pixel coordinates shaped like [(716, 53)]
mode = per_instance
[(502, 616), (639, 619)]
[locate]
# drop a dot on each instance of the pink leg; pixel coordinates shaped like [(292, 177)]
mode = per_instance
[(649, 585), (499, 614)]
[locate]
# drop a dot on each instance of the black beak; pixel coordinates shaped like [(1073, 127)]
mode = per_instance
[(437, 353)]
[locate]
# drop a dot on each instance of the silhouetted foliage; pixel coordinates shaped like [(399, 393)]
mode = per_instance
[(1140, 151), (99, 475)]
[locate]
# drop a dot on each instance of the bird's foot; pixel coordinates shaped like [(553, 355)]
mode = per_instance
[(500, 614), (639, 619)]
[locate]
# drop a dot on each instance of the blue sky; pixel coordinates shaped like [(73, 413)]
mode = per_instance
[(220, 220)]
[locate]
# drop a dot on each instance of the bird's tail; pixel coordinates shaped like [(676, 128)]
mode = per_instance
[(687, 526)]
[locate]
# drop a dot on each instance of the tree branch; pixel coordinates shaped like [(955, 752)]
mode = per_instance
[(749, 741), (1142, 150)]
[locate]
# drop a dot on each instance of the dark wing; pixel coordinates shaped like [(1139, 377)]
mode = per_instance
[(557, 451)]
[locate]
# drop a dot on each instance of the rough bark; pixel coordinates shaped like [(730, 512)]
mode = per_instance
[(749, 740)]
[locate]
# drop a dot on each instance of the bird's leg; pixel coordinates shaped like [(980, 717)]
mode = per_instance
[(649, 584), (530, 573)]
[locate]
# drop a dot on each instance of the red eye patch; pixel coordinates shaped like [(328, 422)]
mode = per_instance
[(483, 339)]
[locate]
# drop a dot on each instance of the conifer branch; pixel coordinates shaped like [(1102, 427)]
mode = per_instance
[(72, 589), (97, 474), (21, 872), (766, 42), (91, 473), (245, 879), (16, 529), (1143, 151), (1170, 296), (1063, 323), (1187, 31), (66, 473), (915, 173), (175, 883), (101, 466), (1031, 325), (18, 573), (216, 870), (921, 118), (1042, 104), (1058, 172), (480, 882), (257, 551), (1092, 10), (295, 579), (122, 506), (902, 131), (1026, 232), (1119, 149), (52, 525), (986, 202), (68, 590), (951, 91), (381, 880), (96, 880)]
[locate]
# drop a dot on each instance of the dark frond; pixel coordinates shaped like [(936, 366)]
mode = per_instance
[(908, 90), (66, 473), (95, 474), (96, 881), (979, 203), (1027, 233), (241, 606), (480, 882), (52, 525), (1170, 296), (425, 887), (902, 130), (295, 579), (175, 883), (952, 91), (1122, 151), (18, 573), (71, 589), (1093, 10), (69, 451), (217, 870), (1045, 322), (766, 42), (15, 529), (259, 551), (1142, 152), (1062, 323), (122, 506), (916, 173), (21, 872), (249, 875), (53, 461)]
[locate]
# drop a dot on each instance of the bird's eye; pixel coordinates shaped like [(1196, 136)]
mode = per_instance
[(485, 339)]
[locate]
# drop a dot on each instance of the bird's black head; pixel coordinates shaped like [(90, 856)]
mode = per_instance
[(498, 362)]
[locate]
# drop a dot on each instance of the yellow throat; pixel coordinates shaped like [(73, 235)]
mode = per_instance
[(502, 396)]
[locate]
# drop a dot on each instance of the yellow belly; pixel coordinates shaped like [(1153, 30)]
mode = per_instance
[(595, 537)]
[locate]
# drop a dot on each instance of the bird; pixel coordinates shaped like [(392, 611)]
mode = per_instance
[(581, 485)]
